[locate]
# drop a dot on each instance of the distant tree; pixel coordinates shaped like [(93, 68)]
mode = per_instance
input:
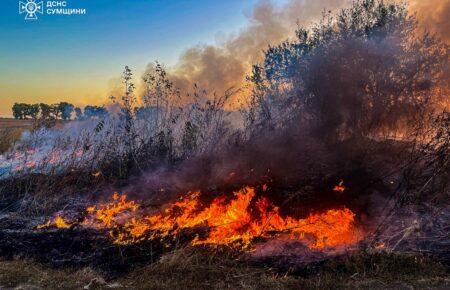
[(79, 113), (141, 112), (17, 110), (23, 111), (66, 110), (89, 111), (46, 111), (92, 112), (32, 110), (148, 113), (55, 109)]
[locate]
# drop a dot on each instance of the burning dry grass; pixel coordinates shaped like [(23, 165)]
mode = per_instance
[(230, 222), (187, 269)]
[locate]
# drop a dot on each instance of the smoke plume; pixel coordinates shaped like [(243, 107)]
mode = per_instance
[(224, 65), (434, 16)]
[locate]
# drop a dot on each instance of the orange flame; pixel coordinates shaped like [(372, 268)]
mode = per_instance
[(31, 164), (339, 187), (96, 174), (58, 222), (110, 214), (380, 245), (54, 157), (235, 222)]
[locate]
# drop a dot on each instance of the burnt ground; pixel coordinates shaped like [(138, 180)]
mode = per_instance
[(76, 247)]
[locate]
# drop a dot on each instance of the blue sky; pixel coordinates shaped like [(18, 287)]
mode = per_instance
[(74, 57)]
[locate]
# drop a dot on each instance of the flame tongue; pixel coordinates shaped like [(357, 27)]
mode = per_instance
[(235, 222)]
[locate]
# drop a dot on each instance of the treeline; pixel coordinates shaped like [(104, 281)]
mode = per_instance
[(60, 111)]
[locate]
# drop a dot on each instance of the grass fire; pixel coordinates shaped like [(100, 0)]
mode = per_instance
[(310, 150), (233, 222)]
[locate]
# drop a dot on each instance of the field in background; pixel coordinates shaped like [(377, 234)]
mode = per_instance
[(11, 131), (10, 123)]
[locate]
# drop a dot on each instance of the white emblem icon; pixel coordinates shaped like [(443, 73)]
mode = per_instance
[(31, 8)]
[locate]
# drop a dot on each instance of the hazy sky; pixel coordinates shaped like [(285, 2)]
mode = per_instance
[(74, 58)]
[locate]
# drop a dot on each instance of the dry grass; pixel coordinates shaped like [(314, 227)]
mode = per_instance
[(187, 269), (27, 275)]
